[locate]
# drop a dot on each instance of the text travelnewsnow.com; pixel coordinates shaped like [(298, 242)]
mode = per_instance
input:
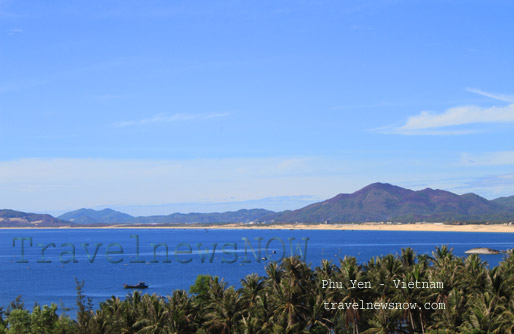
[(362, 305)]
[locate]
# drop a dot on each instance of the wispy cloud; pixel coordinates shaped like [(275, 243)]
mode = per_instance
[(488, 159), (15, 31), (489, 186), (430, 123), (501, 97), (422, 132), (460, 116), (165, 118)]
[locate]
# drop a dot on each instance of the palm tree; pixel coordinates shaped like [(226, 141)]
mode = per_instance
[(318, 316), (112, 313), (252, 286), (181, 313), (485, 314), (273, 273), (477, 278), (451, 317), (291, 299), (290, 304), (350, 271), (225, 314), (383, 321), (156, 315), (413, 296), (408, 257)]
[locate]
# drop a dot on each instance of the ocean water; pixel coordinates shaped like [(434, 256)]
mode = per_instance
[(106, 258)]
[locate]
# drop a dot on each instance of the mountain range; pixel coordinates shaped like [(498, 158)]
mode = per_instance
[(89, 216), (380, 202), (11, 218), (377, 202)]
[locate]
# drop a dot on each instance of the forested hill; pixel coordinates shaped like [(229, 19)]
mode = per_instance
[(11, 218), (377, 202), (89, 216), (385, 202)]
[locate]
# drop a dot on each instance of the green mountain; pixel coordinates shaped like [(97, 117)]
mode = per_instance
[(242, 215), (379, 202), (11, 218), (90, 216), (505, 201)]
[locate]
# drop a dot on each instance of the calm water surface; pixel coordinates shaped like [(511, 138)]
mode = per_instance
[(104, 274)]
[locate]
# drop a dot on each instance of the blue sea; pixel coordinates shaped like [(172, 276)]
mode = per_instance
[(105, 259)]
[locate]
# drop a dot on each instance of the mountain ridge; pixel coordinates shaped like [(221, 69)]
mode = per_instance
[(13, 218), (386, 202), (505, 201), (376, 202), (90, 216)]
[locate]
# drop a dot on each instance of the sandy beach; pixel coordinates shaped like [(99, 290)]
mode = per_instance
[(434, 227), (386, 227)]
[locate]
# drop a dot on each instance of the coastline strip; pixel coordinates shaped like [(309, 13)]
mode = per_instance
[(423, 227)]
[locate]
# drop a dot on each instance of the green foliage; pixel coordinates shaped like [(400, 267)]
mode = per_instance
[(18, 322), (201, 286), (44, 320), (291, 299)]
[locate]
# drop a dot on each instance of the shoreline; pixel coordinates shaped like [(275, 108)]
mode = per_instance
[(421, 227)]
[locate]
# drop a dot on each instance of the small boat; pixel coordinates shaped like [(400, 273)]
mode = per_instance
[(140, 285)]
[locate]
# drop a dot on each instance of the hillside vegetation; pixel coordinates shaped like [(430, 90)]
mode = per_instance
[(290, 298)]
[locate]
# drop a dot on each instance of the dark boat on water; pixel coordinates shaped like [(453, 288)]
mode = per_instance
[(140, 285)]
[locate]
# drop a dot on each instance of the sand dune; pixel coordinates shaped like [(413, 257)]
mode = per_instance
[(501, 228)]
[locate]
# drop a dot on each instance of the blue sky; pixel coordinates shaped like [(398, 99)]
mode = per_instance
[(196, 105)]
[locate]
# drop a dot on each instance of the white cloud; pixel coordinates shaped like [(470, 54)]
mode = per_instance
[(460, 116), (488, 159), (489, 186), (424, 132), (501, 97), (15, 31), (164, 118), (450, 122)]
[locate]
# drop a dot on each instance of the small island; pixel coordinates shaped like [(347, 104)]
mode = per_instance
[(483, 251)]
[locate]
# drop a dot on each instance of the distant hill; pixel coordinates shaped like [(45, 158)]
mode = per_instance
[(11, 218), (505, 201), (242, 215), (379, 202), (90, 216)]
